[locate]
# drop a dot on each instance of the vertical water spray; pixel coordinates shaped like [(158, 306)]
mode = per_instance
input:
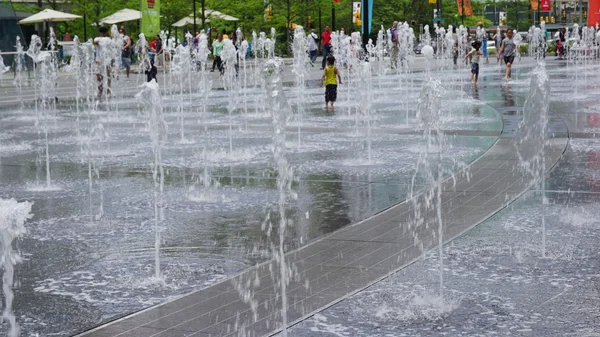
[(430, 165), (531, 140), (165, 44), (157, 127), (142, 46), (300, 49), (13, 216), (366, 102), (381, 49), (182, 67), (19, 68), (426, 36), (229, 57), (405, 49), (243, 51), (280, 111), (45, 68), (81, 66), (3, 69)]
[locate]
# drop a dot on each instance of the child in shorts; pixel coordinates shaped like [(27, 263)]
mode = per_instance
[(331, 77), (475, 55)]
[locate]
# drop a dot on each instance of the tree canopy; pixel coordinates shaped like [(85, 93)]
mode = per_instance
[(286, 13)]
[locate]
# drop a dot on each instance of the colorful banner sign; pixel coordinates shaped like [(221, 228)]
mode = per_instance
[(534, 4), (466, 4), (356, 14), (593, 12), (150, 18), (546, 6), (502, 18)]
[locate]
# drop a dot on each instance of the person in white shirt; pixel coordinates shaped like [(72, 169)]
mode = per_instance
[(101, 44), (313, 46)]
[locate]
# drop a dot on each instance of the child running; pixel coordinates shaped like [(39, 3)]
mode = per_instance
[(331, 77), (475, 54)]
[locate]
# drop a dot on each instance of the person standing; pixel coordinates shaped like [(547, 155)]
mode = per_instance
[(498, 38), (474, 54), (326, 43), (482, 38), (125, 52), (395, 45), (331, 78), (217, 49), (101, 44), (152, 49), (196, 42), (560, 44), (508, 49), (160, 53), (313, 48)]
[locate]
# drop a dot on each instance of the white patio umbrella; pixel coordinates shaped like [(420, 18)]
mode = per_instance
[(216, 14), (188, 21), (123, 15), (49, 15)]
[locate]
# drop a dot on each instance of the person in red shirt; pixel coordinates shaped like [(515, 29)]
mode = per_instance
[(326, 43)]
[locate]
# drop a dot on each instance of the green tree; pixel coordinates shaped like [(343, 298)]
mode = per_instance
[(450, 13), (94, 11), (172, 11), (518, 12)]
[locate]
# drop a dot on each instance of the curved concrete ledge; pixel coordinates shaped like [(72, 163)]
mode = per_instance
[(346, 261)]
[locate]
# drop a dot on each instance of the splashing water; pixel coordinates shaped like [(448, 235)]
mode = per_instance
[(182, 66), (45, 69), (19, 68), (229, 57), (157, 126), (530, 141), (430, 164), (300, 49), (280, 110), (13, 216), (3, 68)]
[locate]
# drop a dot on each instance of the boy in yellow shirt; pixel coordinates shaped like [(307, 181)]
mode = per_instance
[(331, 77)]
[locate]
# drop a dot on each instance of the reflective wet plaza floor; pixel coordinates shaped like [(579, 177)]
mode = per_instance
[(496, 280), (89, 252)]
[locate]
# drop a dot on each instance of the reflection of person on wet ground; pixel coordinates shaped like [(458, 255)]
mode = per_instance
[(476, 96), (508, 98)]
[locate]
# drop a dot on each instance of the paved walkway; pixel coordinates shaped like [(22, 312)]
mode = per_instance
[(347, 261)]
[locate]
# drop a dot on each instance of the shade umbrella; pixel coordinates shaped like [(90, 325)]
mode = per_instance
[(188, 21), (49, 15), (123, 15), (216, 14)]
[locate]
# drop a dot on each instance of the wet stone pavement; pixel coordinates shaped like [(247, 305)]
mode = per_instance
[(495, 281), (90, 246), (353, 258), (492, 272)]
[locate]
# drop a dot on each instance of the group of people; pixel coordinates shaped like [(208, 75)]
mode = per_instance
[(102, 47), (327, 41), (217, 48)]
